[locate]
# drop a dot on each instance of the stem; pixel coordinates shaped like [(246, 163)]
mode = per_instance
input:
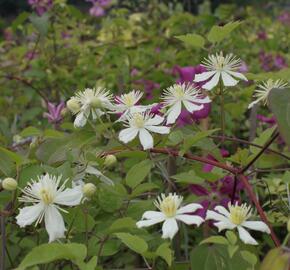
[(3, 242)]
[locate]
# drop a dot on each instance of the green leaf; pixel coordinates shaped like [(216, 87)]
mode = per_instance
[(279, 102), (40, 23), (249, 257), (143, 188), (232, 238), (30, 131), (165, 253), (21, 18), (138, 173), (122, 224), (54, 251), (134, 242), (276, 259), (13, 156), (188, 177), (218, 33), (193, 40), (175, 137), (262, 139), (286, 177), (215, 240)]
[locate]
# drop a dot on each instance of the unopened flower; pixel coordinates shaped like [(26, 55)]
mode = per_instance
[(9, 184), (110, 160), (47, 194), (140, 124), (91, 102), (237, 217), (170, 212), (263, 90), (54, 115), (185, 95), (89, 189), (219, 66)]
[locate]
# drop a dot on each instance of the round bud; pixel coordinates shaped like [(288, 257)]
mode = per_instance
[(73, 105), (288, 225), (96, 102), (64, 112), (110, 160), (9, 184), (89, 190)]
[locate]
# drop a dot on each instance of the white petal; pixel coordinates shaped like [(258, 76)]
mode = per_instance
[(80, 120), (226, 224), (148, 222), (146, 139), (189, 219), (246, 237), (54, 223), (70, 196), (215, 216), (213, 82), (254, 102), (153, 215), (257, 226), (173, 113), (103, 178), (169, 228), (156, 120), (190, 208), (238, 75), (128, 134), (192, 107), (228, 80), (160, 130), (202, 100), (203, 76), (222, 210), (29, 214)]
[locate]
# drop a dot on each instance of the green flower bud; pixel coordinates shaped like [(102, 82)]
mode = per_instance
[(96, 102), (110, 160), (64, 112), (89, 190), (73, 105), (9, 184)]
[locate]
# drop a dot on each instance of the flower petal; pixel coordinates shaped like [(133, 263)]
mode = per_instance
[(29, 214), (226, 224), (228, 80), (246, 237), (146, 139), (238, 75), (192, 107), (169, 228), (213, 82), (80, 120), (148, 222), (215, 216), (128, 134), (203, 76), (222, 210), (160, 130), (156, 120), (189, 219), (153, 215), (190, 208), (257, 226), (70, 196), (54, 223), (173, 113)]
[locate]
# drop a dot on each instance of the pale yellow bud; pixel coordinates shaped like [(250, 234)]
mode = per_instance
[(73, 105), (9, 184), (64, 112), (96, 102), (89, 190), (110, 160)]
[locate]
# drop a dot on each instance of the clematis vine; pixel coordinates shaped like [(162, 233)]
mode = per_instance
[(170, 211)]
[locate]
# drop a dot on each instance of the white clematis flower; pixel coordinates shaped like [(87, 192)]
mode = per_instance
[(46, 195), (179, 95), (170, 213), (237, 217), (91, 102), (263, 90), (127, 104), (141, 123), (220, 66)]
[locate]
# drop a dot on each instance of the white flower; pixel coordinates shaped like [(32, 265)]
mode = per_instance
[(127, 103), (170, 213), (237, 217), (91, 101), (46, 195), (182, 94), (141, 123), (263, 90), (220, 66)]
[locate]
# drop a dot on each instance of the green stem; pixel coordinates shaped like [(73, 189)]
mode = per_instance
[(286, 239)]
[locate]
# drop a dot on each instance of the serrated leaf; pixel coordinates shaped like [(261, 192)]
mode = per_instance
[(192, 40), (133, 242), (218, 33)]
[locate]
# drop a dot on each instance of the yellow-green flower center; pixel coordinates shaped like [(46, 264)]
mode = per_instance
[(168, 206), (239, 214), (179, 93), (129, 100), (138, 120), (46, 196)]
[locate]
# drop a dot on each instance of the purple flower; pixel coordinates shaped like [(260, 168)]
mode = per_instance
[(267, 120), (280, 62), (243, 67), (98, 8), (262, 35), (270, 62), (30, 55), (149, 87), (40, 6), (284, 17), (54, 112)]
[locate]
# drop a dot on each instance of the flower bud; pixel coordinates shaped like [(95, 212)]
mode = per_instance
[(110, 160), (89, 190), (288, 225), (73, 105), (96, 102), (9, 184), (64, 112)]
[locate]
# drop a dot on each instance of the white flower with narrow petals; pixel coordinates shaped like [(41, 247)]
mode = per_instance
[(222, 67), (263, 90), (46, 195), (179, 95), (170, 212), (237, 217), (140, 124), (91, 102)]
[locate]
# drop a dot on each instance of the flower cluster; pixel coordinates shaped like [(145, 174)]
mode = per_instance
[(99, 6)]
